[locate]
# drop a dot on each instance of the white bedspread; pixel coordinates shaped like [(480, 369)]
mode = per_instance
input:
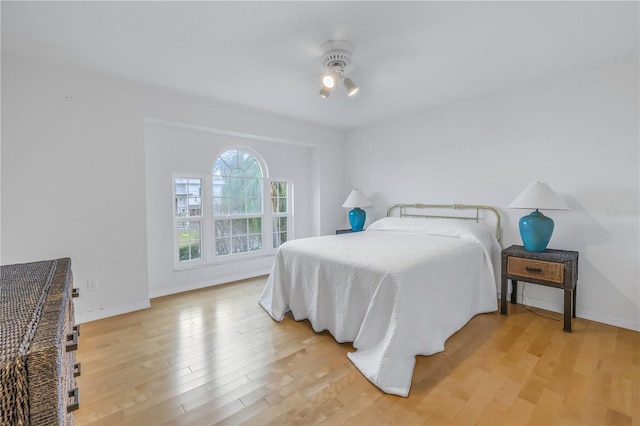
[(397, 290)]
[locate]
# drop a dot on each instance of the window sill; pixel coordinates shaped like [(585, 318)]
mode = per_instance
[(222, 261)]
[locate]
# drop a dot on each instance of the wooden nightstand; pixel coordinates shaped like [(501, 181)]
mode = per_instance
[(553, 268), (344, 231)]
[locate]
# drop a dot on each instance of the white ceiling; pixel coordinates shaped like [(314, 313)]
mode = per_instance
[(266, 54)]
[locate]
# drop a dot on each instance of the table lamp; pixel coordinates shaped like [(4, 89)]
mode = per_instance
[(357, 216), (536, 228)]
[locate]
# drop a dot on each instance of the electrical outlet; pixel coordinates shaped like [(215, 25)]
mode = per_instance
[(92, 285)]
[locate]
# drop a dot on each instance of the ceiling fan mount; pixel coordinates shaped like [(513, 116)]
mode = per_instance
[(337, 53), (337, 57)]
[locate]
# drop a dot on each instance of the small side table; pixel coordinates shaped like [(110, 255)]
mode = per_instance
[(553, 268), (344, 231)]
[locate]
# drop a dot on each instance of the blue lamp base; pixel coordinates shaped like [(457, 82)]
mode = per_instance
[(536, 230), (357, 217)]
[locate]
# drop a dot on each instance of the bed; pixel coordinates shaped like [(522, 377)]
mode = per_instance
[(397, 290)]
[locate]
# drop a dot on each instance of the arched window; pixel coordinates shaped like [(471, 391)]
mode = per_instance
[(237, 202), (236, 212)]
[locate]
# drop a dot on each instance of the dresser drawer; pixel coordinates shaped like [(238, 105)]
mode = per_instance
[(540, 269)]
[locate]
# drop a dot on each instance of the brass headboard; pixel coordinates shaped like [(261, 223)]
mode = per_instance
[(407, 210)]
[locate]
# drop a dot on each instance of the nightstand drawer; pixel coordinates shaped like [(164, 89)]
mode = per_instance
[(527, 268)]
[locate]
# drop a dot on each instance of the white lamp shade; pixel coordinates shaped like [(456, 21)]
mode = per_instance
[(356, 199), (538, 195)]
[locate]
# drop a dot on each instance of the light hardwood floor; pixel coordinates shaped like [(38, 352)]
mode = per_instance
[(215, 356)]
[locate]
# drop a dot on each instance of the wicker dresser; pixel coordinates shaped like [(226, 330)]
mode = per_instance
[(38, 340)]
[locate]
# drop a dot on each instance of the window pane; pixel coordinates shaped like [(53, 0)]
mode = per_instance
[(219, 184), (255, 225), (184, 253), (237, 205), (279, 238), (223, 246), (279, 231), (220, 168), (237, 173), (188, 193), (254, 205), (234, 190), (223, 228), (253, 187), (282, 205), (195, 230), (221, 206), (194, 200), (282, 189), (255, 242), (181, 206), (189, 241), (253, 170), (189, 231), (239, 244), (230, 158), (235, 185), (244, 159), (195, 250), (278, 197), (239, 226), (195, 187), (195, 207), (217, 206)]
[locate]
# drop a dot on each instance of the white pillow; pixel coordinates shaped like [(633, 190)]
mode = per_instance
[(457, 228)]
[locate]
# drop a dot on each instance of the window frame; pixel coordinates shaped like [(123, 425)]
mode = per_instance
[(184, 264), (208, 255), (288, 214)]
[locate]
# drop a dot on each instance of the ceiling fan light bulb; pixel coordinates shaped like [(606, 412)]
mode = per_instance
[(328, 81)]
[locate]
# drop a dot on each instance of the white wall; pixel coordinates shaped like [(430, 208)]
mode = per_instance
[(578, 132), (73, 180), (73, 173)]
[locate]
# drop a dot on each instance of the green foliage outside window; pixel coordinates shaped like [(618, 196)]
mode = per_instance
[(189, 246)]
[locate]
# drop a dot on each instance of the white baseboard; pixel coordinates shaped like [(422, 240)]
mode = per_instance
[(105, 313), (111, 312), (591, 316), (580, 313), (242, 275)]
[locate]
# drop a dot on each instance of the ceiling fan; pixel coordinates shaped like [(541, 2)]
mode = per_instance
[(337, 56)]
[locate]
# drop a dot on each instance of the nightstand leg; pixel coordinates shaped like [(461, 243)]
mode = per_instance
[(568, 304), (503, 296), (514, 291), (575, 290)]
